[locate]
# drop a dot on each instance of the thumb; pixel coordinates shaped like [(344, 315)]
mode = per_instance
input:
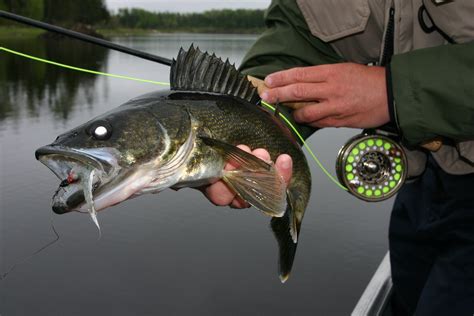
[(258, 83), (284, 165)]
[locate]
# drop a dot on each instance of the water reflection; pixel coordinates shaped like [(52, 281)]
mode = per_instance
[(27, 86)]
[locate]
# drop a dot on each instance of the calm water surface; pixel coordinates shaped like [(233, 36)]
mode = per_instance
[(167, 254)]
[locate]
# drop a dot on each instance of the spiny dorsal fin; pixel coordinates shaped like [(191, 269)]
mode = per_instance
[(197, 71)]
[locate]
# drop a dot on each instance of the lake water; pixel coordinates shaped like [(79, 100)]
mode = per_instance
[(167, 254)]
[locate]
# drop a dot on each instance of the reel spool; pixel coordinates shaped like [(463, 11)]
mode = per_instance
[(372, 167)]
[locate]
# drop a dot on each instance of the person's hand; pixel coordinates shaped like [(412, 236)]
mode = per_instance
[(220, 194), (339, 95)]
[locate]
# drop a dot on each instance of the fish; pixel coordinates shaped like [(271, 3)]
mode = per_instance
[(183, 137)]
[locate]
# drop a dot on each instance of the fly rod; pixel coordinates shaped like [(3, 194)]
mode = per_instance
[(84, 37)]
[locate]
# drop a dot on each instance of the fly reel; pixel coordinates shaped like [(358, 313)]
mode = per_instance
[(372, 167)]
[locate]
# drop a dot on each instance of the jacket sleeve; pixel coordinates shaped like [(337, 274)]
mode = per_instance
[(286, 43), (433, 92)]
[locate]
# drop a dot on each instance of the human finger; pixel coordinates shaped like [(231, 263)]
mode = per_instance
[(262, 154), (231, 165), (298, 74), (297, 92), (238, 202), (315, 112), (219, 193), (284, 165), (258, 83), (296, 105)]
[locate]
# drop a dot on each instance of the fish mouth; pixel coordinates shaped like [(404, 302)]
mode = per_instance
[(72, 167)]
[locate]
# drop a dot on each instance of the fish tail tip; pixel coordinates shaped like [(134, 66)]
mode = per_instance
[(284, 277), (294, 237)]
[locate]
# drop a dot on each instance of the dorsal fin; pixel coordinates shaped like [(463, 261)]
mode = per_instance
[(197, 71)]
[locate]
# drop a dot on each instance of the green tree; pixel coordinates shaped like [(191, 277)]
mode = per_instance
[(68, 12), (214, 20), (30, 8)]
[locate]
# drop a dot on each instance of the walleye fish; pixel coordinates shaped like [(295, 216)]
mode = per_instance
[(183, 138)]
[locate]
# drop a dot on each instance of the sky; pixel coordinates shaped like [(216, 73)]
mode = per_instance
[(187, 5)]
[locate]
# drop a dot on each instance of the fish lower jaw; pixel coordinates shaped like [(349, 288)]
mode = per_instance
[(130, 187), (70, 198), (137, 183)]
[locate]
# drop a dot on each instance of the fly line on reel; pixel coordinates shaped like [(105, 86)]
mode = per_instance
[(372, 167)]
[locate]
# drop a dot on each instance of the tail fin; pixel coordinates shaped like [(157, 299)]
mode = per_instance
[(286, 230), (287, 247)]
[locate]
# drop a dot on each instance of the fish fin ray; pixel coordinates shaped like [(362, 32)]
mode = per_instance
[(255, 180), (228, 80), (236, 155), (265, 190)]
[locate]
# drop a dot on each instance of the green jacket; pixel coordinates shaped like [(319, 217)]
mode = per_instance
[(433, 88)]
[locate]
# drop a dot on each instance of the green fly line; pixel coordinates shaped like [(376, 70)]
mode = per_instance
[(287, 121), (318, 162), (81, 69)]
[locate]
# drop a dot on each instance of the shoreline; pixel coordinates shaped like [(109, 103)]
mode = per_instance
[(7, 32), (131, 32)]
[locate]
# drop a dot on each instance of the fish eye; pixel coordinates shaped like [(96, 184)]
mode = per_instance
[(100, 130)]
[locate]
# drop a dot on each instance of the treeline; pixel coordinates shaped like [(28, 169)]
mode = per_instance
[(225, 20), (70, 13), (64, 12)]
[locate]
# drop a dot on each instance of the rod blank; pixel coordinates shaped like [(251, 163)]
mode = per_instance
[(84, 37)]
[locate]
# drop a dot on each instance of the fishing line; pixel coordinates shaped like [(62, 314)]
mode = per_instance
[(316, 160), (287, 121), (3, 276), (81, 69)]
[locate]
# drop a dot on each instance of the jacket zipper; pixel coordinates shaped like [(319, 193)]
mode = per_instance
[(389, 39)]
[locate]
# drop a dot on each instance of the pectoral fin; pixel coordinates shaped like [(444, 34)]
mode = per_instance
[(264, 190), (255, 181), (236, 155)]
